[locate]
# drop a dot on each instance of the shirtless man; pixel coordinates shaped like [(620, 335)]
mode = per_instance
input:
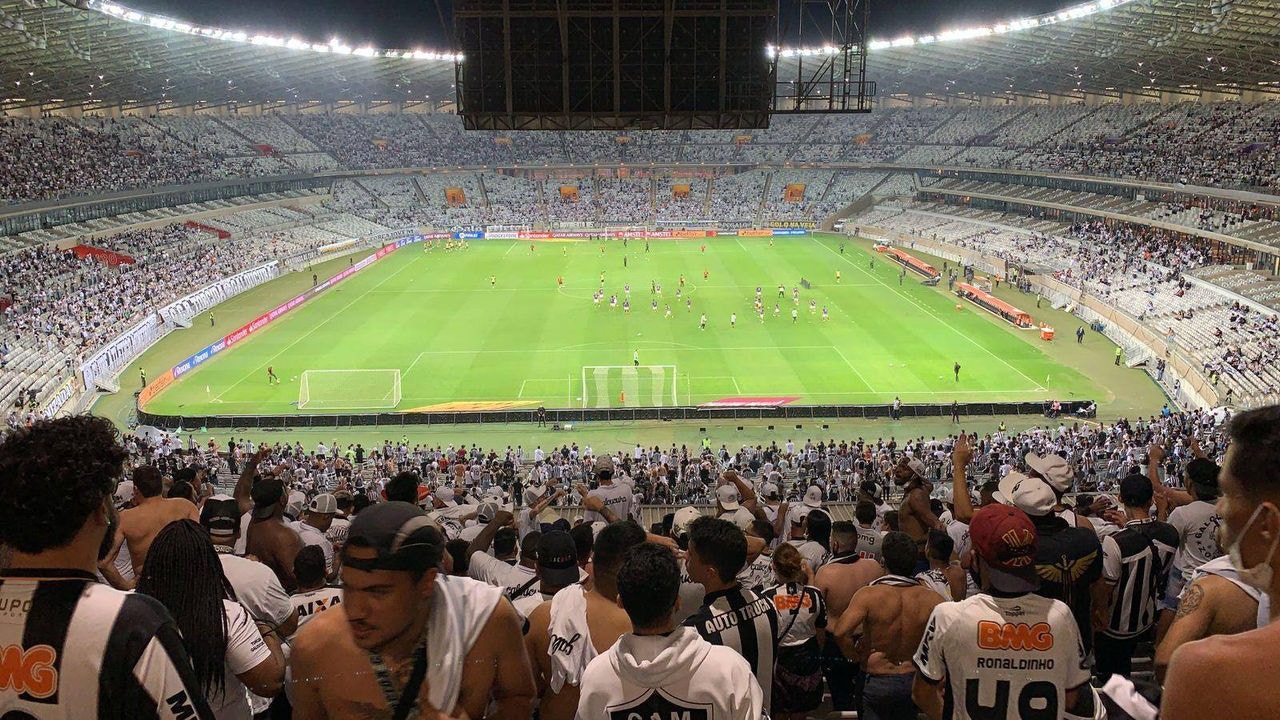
[(914, 516), (1241, 684), (140, 524), (838, 580), (568, 631), (269, 540), (882, 626), (402, 619), (1215, 602)]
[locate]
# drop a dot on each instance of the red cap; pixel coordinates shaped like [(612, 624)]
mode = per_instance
[(1004, 536)]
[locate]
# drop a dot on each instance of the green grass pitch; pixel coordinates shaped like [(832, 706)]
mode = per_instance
[(456, 337)]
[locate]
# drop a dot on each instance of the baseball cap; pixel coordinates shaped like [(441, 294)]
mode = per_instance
[(1031, 495), (294, 507), (813, 496), (486, 512), (558, 559), (684, 516), (917, 467), (445, 494), (220, 515), (797, 513), (533, 493), (265, 496), (1005, 538), (324, 504), (401, 534), (1054, 469), (124, 493), (603, 463), (727, 496), (770, 491), (871, 488)]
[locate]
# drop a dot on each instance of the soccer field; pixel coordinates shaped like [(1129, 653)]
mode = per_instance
[(491, 326)]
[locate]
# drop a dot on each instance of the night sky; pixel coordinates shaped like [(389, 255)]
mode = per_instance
[(413, 24)]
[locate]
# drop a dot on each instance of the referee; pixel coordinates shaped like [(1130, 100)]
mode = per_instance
[(74, 647), (730, 615)]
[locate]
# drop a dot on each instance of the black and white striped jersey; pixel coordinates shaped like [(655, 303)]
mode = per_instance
[(1136, 560), (71, 648), (740, 619)]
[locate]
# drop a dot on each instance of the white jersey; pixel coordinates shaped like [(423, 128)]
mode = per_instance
[(570, 649), (1001, 654), (757, 574), (245, 650), (310, 604), (616, 497)]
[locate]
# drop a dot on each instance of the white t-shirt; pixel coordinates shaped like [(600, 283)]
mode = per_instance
[(1024, 650), (245, 650), (1197, 526), (616, 497), (488, 569), (312, 536), (801, 611), (257, 588)]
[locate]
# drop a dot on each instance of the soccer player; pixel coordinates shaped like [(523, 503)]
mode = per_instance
[(613, 301), (813, 307), (659, 289), (596, 297), (668, 313), (825, 315), (759, 293), (777, 309), (706, 274), (704, 249), (795, 314), (837, 276), (560, 281), (531, 247), (653, 287), (702, 322), (956, 369), (653, 305), (626, 289), (635, 358), (782, 291), (681, 279), (733, 320), (493, 281), (602, 278), (688, 305), (795, 295), (626, 306), (679, 293), (271, 376), (760, 313)]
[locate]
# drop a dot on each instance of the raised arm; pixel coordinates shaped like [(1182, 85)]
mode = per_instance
[(244, 486), (961, 502), (482, 541)]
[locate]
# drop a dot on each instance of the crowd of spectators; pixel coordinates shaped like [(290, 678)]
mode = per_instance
[(272, 573)]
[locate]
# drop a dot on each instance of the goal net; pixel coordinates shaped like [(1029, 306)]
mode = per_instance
[(349, 390), (606, 386)]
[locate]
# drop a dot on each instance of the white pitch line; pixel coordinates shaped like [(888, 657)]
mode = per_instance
[(520, 394), (931, 314), (318, 325), (854, 369), (735, 386)]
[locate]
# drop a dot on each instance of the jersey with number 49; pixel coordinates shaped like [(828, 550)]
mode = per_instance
[(1003, 658)]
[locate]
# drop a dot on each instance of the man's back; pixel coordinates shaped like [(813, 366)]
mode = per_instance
[(141, 524), (1240, 685), (896, 618), (838, 582), (1002, 654), (275, 545), (74, 648), (1068, 561), (738, 618), (557, 653)]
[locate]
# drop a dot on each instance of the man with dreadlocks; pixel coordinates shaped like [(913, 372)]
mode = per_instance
[(229, 651), (84, 649), (406, 636)]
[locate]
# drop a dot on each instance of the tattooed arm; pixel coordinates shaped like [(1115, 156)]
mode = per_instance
[(1194, 618)]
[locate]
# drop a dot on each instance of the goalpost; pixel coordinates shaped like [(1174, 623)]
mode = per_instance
[(349, 390), (606, 386)]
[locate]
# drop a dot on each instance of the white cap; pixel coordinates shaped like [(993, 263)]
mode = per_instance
[(684, 516), (727, 496), (1031, 495), (124, 493), (813, 496)]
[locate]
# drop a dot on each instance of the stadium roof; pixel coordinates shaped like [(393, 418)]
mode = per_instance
[(59, 53)]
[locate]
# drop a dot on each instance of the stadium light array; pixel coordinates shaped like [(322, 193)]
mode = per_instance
[(1074, 12), (333, 47)]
